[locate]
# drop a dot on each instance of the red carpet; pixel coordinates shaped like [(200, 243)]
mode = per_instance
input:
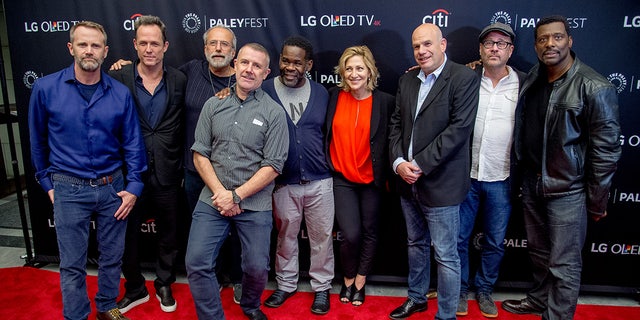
[(31, 293)]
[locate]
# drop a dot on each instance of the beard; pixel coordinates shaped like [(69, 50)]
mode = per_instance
[(89, 64), (216, 63)]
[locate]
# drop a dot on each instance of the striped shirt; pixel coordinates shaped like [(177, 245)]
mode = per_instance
[(239, 138)]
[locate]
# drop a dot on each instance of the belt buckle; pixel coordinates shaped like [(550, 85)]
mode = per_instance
[(305, 181), (100, 181)]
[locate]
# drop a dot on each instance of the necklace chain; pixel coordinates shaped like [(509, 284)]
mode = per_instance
[(211, 82)]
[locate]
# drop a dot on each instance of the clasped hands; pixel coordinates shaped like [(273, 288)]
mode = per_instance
[(223, 202), (408, 172)]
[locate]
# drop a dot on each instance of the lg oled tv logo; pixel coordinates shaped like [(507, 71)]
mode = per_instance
[(340, 20), (631, 22), (49, 26), (615, 248), (439, 17)]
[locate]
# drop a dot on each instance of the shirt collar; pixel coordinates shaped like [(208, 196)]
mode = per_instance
[(436, 73), (69, 76), (137, 74), (257, 94)]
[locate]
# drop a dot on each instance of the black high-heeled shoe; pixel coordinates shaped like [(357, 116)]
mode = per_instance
[(346, 292), (358, 296)]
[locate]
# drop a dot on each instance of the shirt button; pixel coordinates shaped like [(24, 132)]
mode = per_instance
[(235, 122)]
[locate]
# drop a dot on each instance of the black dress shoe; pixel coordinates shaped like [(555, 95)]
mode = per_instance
[(407, 308), (256, 315), (321, 302), (523, 306), (278, 297)]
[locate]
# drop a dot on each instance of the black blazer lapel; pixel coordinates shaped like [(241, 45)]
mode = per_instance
[(440, 84)]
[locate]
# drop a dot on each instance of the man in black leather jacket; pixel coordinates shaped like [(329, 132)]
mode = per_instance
[(566, 146)]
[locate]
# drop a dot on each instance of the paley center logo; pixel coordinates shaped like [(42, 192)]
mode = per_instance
[(501, 16), (49, 25), (530, 22), (340, 20), (29, 78), (191, 23), (439, 17), (619, 80), (128, 24)]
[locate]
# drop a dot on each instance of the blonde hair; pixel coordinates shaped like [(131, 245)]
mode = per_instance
[(90, 25), (369, 62)]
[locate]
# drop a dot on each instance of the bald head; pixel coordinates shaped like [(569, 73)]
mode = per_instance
[(428, 47)]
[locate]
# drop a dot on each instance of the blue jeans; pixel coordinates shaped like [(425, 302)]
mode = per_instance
[(556, 230), (73, 206), (493, 199), (209, 229), (438, 226)]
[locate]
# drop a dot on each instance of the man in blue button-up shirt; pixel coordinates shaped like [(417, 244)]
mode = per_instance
[(83, 131)]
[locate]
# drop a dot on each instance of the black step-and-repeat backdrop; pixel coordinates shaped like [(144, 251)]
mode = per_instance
[(605, 35)]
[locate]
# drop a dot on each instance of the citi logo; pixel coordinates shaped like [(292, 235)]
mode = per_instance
[(439, 17), (129, 24)]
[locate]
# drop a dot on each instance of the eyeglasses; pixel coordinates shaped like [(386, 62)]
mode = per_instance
[(488, 44), (223, 44)]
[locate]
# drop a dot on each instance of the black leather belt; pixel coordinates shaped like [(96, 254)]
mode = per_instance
[(305, 181), (87, 182)]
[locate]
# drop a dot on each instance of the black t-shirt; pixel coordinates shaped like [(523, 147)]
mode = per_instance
[(536, 102)]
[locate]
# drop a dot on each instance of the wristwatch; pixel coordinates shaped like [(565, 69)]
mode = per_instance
[(236, 197)]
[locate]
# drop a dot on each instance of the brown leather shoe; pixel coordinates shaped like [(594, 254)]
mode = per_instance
[(113, 314)]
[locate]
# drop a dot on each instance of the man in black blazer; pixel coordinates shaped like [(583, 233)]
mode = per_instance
[(429, 148), (158, 91)]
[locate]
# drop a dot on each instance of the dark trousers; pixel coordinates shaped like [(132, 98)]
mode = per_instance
[(161, 203), (228, 265), (357, 212), (556, 231)]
